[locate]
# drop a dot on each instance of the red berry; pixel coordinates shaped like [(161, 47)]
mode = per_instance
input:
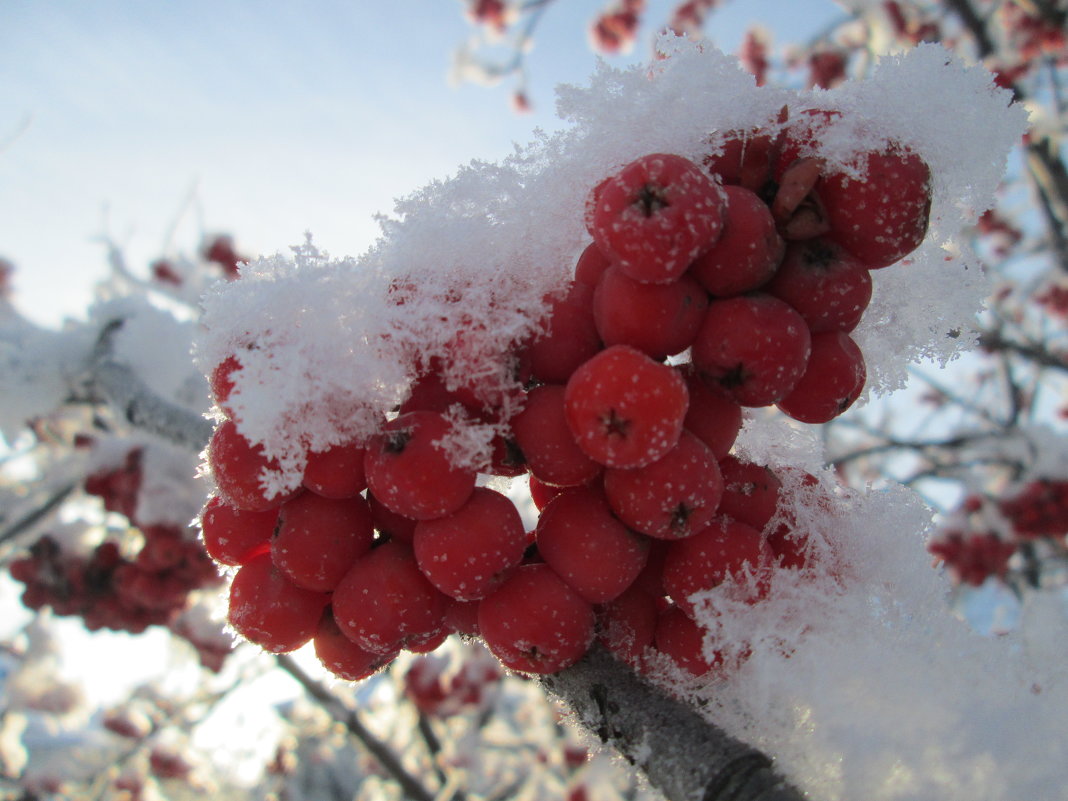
[(680, 638), (674, 497), (232, 536), (411, 473), (827, 286), (238, 467), (833, 380), (221, 382), (268, 609), (624, 409), (535, 622), (542, 435), (657, 319), (883, 216), (590, 265), (747, 253), (385, 601), (542, 493), (341, 656), (468, 553), (746, 157), (755, 347), (318, 539), (656, 215), (589, 548), (568, 338), (390, 525), (724, 550), (336, 472), (750, 492), (712, 417), (626, 626)]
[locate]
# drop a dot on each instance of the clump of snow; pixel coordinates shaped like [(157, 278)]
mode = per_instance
[(861, 683)]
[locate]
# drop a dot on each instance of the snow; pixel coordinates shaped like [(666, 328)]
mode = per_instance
[(860, 681)]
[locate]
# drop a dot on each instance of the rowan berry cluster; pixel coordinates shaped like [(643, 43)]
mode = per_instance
[(111, 589), (984, 534), (708, 287)]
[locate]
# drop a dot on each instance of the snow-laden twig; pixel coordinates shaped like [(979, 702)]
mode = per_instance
[(140, 406), (682, 754)]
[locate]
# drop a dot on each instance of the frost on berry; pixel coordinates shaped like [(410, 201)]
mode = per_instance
[(410, 473), (317, 539), (656, 215), (384, 601), (535, 622), (468, 554), (624, 409), (754, 347), (588, 547), (268, 609), (241, 470), (672, 498)]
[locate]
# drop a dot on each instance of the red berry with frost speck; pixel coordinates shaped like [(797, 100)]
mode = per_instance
[(655, 216), (624, 408), (535, 622)]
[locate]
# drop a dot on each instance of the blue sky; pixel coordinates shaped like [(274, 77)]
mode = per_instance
[(276, 117)]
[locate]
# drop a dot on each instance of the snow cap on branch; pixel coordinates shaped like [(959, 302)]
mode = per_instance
[(328, 347)]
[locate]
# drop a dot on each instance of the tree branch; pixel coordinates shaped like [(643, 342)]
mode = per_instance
[(142, 408), (411, 786), (683, 755)]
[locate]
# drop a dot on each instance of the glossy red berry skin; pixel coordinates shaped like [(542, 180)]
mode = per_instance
[(674, 497), (543, 436), (410, 473), (318, 539), (626, 626), (588, 547), (232, 536), (827, 286), (833, 380), (535, 622), (591, 264), (712, 416), (267, 609), (657, 319), (746, 255), (655, 216), (384, 600), (882, 217), (755, 347), (625, 409), (750, 492), (469, 553), (238, 466), (341, 656), (221, 382), (680, 638), (336, 472), (567, 338), (724, 550)]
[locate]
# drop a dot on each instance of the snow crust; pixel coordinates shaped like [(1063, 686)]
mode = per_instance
[(859, 681)]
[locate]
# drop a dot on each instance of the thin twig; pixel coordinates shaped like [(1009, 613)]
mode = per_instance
[(350, 719)]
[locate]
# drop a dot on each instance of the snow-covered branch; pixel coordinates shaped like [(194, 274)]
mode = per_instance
[(683, 755), (138, 404)]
